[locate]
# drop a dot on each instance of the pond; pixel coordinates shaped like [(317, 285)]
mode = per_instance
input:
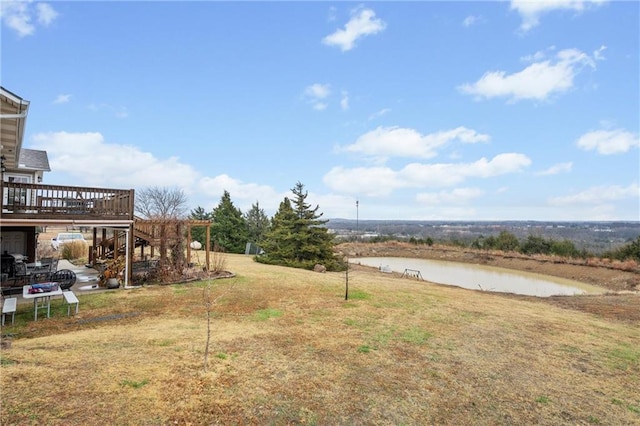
[(480, 277)]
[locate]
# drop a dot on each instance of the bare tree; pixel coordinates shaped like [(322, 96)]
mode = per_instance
[(209, 303), (161, 203)]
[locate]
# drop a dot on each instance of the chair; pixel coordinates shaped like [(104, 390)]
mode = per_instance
[(65, 278), (9, 307)]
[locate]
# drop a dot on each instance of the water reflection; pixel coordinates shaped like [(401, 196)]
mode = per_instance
[(481, 277)]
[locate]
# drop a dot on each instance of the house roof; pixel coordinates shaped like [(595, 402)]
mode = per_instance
[(13, 116), (34, 160)]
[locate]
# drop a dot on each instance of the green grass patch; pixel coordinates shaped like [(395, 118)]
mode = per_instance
[(624, 357), (364, 349), (415, 335), (221, 355), (99, 300), (543, 399), (634, 408), (630, 407), (383, 337), (6, 361), (359, 295), (134, 384), (265, 314)]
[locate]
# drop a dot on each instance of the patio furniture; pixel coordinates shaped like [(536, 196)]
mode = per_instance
[(70, 299), (40, 300), (64, 277), (9, 307)]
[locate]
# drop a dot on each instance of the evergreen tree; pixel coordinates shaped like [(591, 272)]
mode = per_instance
[(199, 233), (279, 243), (536, 245), (506, 241), (229, 229), (257, 224), (298, 237)]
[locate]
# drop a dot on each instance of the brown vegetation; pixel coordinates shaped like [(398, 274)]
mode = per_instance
[(288, 349)]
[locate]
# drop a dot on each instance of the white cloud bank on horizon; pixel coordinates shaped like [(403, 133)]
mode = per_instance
[(598, 195), (19, 16), (530, 11), (363, 23), (539, 81)]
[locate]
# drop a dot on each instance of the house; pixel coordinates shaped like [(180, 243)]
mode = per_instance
[(29, 203)]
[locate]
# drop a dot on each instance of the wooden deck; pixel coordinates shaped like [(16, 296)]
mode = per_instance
[(51, 202)]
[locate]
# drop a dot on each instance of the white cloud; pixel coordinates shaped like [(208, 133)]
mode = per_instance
[(457, 196), (243, 194), (608, 142), (538, 81), (556, 169), (19, 16), (597, 54), (363, 22), (344, 102), (46, 14), (379, 114), (470, 20), (316, 94), (370, 181), (86, 158), (598, 195), (385, 142), (433, 175), (62, 99), (380, 181), (530, 11)]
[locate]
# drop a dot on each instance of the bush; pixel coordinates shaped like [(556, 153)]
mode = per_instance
[(73, 250)]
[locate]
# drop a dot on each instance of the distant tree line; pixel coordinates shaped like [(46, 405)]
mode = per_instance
[(533, 244)]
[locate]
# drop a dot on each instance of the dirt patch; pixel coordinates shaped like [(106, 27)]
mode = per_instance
[(622, 301)]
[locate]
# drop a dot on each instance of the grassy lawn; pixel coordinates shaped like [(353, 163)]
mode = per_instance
[(286, 348)]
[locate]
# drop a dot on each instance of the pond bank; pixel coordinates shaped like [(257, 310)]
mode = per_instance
[(622, 304)]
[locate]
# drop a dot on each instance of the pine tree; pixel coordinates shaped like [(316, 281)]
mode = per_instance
[(229, 229), (257, 224), (298, 237), (279, 242)]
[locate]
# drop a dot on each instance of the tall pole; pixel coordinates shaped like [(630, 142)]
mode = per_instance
[(357, 219)]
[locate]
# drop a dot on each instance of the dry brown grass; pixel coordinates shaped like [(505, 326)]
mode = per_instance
[(288, 349)]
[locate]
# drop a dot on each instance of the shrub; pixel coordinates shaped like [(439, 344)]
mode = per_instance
[(73, 250)]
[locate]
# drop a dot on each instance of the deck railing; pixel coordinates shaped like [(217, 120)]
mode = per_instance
[(40, 201)]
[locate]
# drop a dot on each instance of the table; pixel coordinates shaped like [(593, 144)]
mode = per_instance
[(40, 298)]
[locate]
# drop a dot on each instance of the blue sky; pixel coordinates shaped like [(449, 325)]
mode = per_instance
[(418, 110)]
